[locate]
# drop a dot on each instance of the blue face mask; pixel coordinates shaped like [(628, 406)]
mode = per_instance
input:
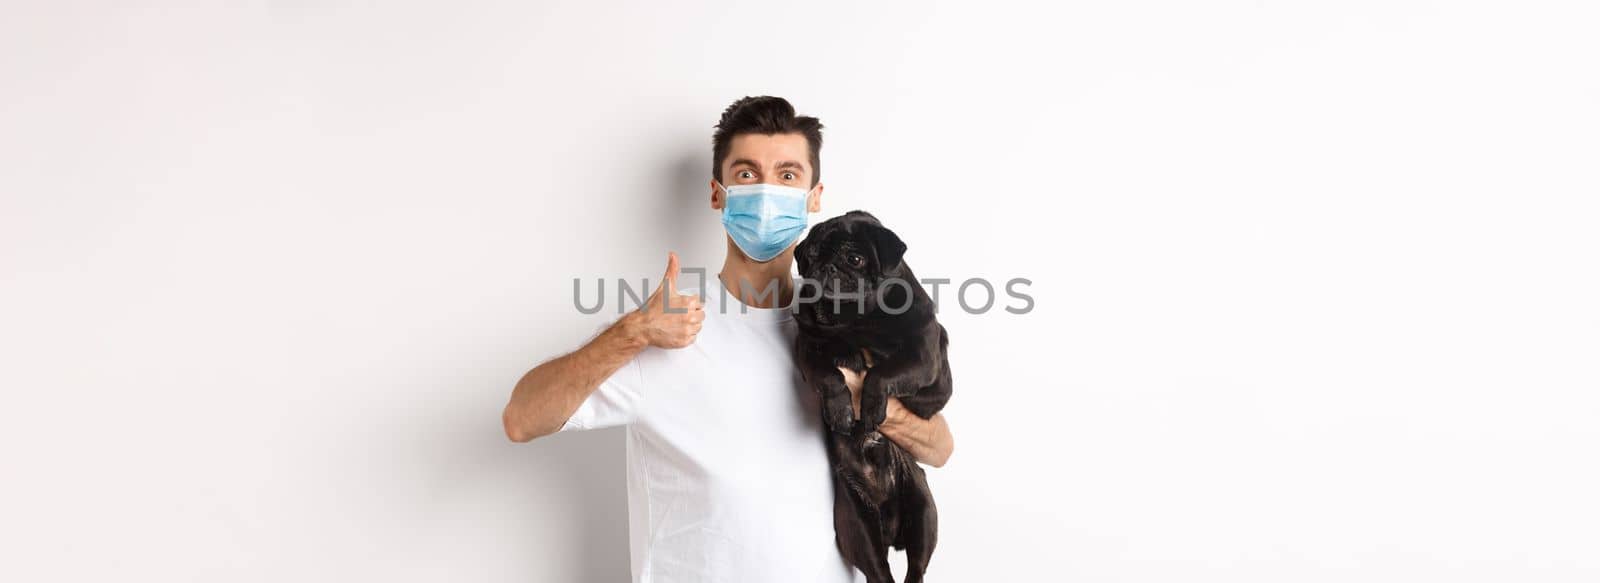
[(764, 219)]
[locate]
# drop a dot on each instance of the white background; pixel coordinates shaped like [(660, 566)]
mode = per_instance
[(1316, 283)]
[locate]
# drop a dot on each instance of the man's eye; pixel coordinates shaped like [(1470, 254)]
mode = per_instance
[(788, 176), (746, 174)]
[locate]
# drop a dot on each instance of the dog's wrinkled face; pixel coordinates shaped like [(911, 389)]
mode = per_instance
[(849, 257)]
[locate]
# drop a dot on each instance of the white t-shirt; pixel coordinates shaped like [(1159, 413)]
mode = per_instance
[(728, 479)]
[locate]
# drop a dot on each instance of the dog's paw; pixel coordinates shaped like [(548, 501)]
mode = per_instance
[(839, 418), (871, 418), (845, 429)]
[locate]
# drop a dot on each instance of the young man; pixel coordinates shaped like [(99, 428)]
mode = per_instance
[(727, 476)]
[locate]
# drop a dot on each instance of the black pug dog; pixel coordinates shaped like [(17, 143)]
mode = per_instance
[(871, 310)]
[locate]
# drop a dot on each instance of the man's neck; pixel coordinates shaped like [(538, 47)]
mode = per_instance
[(758, 285)]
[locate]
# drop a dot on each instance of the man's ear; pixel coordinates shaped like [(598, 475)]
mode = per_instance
[(718, 197), (890, 248), (814, 200)]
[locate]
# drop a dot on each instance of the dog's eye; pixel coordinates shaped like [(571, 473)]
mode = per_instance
[(855, 260)]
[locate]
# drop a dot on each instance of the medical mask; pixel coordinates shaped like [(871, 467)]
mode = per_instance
[(764, 219)]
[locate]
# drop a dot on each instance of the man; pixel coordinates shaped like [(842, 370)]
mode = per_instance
[(728, 479)]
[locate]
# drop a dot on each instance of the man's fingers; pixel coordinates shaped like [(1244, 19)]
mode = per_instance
[(677, 303), (852, 379)]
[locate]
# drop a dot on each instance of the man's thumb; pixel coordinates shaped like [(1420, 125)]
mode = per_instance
[(669, 282)]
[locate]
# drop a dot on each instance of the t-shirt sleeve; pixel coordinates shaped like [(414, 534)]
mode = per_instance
[(615, 402)]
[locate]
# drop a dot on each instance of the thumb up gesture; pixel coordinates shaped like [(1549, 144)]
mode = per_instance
[(671, 320)]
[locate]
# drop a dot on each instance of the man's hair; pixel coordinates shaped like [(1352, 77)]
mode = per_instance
[(764, 115)]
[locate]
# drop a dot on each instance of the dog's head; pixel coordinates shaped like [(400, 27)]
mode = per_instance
[(850, 257)]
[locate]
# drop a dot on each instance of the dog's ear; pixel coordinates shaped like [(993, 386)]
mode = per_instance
[(861, 214), (802, 255), (890, 248)]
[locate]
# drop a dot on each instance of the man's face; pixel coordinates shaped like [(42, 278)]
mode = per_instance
[(783, 159)]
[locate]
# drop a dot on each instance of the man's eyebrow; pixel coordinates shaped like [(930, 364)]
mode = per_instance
[(781, 164)]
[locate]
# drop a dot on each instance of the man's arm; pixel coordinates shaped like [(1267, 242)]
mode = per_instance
[(547, 396), (927, 440)]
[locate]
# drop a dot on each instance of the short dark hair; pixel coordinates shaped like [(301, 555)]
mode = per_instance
[(764, 115)]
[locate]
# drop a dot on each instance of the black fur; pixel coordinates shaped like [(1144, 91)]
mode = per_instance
[(881, 495)]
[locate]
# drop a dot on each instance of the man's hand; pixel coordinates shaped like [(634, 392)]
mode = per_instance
[(927, 440), (669, 320)]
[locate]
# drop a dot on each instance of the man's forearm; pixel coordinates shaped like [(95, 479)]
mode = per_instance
[(927, 440), (547, 395)]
